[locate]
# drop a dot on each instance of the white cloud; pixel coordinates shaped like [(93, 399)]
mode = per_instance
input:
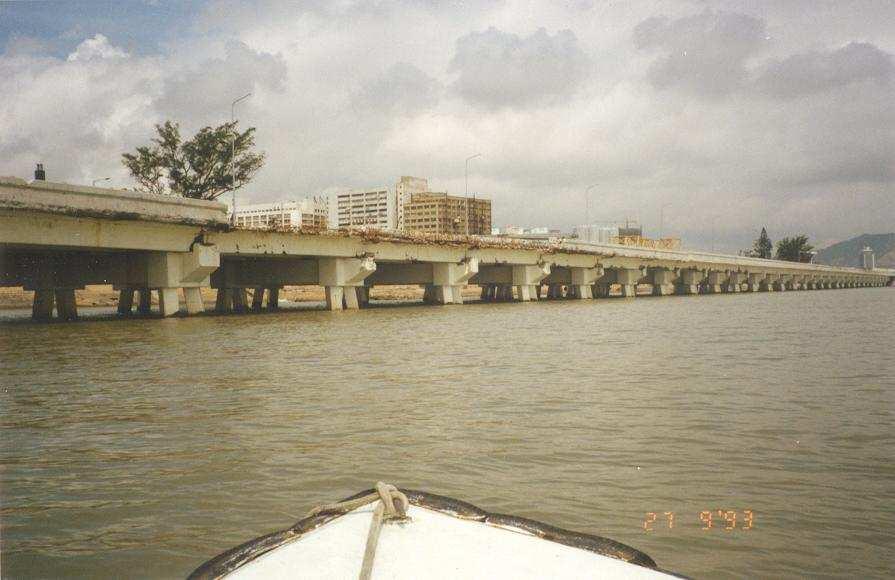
[(499, 69), (816, 71), (96, 48), (744, 131)]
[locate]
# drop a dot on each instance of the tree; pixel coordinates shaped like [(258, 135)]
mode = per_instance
[(763, 248), (795, 249), (216, 160)]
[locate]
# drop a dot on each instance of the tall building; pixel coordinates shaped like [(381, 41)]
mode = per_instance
[(373, 208), (405, 187), (595, 233), (310, 212), (441, 213)]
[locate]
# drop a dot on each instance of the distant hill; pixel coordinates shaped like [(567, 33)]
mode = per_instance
[(848, 253)]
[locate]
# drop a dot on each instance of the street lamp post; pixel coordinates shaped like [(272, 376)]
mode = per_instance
[(466, 194), (587, 203), (95, 181), (233, 155), (662, 218)]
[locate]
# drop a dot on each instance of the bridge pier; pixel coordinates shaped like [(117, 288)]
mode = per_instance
[(448, 280), (716, 282), (193, 298), (754, 282), (273, 297), (583, 280), (627, 279), (689, 281), (126, 300), (66, 307), (42, 305), (734, 282), (168, 301), (341, 277), (663, 281), (526, 278)]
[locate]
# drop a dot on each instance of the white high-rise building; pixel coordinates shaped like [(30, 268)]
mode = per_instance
[(311, 212), (404, 189), (595, 233), (372, 208)]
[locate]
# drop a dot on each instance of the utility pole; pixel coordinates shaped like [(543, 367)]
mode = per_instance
[(662, 218), (466, 194), (587, 203), (233, 154)]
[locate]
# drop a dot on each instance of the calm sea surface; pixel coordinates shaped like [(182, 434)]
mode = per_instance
[(142, 448)]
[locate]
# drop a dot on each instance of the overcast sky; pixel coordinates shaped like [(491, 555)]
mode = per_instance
[(733, 115)]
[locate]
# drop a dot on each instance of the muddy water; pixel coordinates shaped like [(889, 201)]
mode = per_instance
[(141, 448)]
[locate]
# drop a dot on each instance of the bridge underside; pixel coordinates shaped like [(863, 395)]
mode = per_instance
[(252, 282)]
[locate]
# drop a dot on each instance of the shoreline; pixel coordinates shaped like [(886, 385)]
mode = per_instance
[(16, 298)]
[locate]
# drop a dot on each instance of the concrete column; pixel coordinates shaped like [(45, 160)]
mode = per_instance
[(194, 304), (168, 301), (257, 298), (754, 281), (716, 282), (224, 301), (352, 302), (363, 296), (42, 307), (663, 282), (583, 280), (448, 280), (525, 278), (505, 293), (735, 282), (169, 271), (337, 275), (66, 307), (145, 306), (440, 295), (689, 282), (334, 297), (125, 300), (239, 299), (628, 278), (273, 298), (780, 285)]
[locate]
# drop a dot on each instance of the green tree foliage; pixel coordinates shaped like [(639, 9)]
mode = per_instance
[(796, 249), (763, 248), (216, 160)]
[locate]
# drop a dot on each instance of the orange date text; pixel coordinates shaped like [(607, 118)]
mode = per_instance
[(718, 519)]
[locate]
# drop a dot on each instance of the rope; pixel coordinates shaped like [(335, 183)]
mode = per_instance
[(392, 507)]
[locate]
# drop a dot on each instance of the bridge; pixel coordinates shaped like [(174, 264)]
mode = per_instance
[(56, 238)]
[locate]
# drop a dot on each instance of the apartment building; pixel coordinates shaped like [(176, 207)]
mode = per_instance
[(373, 208), (309, 213), (446, 214), (405, 187)]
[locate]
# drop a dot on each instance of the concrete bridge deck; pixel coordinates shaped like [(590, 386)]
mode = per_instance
[(55, 238)]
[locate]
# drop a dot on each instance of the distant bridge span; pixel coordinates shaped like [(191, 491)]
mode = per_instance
[(55, 238)]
